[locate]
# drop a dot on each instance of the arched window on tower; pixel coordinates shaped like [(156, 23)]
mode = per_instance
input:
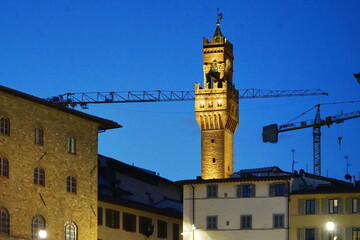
[(4, 167), (70, 231), (38, 224), (5, 126), (4, 221), (71, 184)]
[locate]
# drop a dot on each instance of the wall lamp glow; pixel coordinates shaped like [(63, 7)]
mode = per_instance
[(42, 234)]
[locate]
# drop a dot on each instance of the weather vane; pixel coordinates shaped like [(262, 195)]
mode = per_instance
[(219, 17)]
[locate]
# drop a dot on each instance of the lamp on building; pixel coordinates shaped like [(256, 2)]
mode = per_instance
[(357, 76), (330, 226), (42, 234)]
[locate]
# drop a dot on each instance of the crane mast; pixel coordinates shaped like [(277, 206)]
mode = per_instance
[(270, 132), (85, 98)]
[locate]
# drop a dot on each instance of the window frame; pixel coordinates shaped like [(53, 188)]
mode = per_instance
[(311, 232), (71, 184), (4, 221), (278, 220), (211, 222), (355, 230), (212, 191), (39, 136), (112, 218), (333, 206), (4, 167), (246, 222), (39, 176), (71, 231), (5, 126), (355, 205), (71, 145), (162, 231), (245, 190), (146, 226), (129, 222), (38, 223), (310, 206)]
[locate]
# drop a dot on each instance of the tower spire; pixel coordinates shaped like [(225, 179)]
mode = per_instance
[(219, 19)]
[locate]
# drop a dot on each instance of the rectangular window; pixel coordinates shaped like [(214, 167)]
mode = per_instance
[(278, 221), (310, 206), (246, 222), (310, 234), (212, 191), (211, 222), (279, 190), (161, 229), (112, 218), (333, 205), (176, 231), (246, 190), (355, 234), (71, 145), (100, 216), (145, 226), (355, 203), (129, 222)]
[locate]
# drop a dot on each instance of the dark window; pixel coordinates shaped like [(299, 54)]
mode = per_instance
[(246, 222), (333, 205), (176, 231), (112, 218), (71, 145), (246, 190), (4, 221), (279, 189), (211, 222), (310, 206), (71, 231), (212, 191), (310, 234), (129, 222), (71, 184), (145, 226), (355, 234), (278, 221), (39, 176), (38, 136), (38, 223), (5, 126), (161, 229), (100, 216), (4, 167)]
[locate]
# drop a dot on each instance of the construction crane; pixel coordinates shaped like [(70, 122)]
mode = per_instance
[(270, 132), (83, 99)]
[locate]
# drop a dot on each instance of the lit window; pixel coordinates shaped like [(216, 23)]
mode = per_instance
[(4, 221), (202, 104), (4, 167), (310, 206), (5, 126), (38, 223), (39, 176), (161, 229), (210, 104), (278, 221), (333, 206), (71, 184), (211, 222), (355, 205), (355, 233), (246, 222), (71, 145), (219, 103), (212, 191), (38, 136), (70, 231)]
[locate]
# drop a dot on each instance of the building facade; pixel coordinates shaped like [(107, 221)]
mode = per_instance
[(135, 203), (48, 174)]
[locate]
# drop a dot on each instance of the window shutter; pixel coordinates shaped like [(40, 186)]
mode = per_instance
[(316, 233), (317, 206), (348, 205), (340, 206), (301, 206), (286, 189), (253, 190), (271, 190), (301, 233), (239, 191), (325, 206), (338, 233), (348, 234), (358, 205)]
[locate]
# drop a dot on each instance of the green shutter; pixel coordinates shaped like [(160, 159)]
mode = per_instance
[(253, 190), (301, 206)]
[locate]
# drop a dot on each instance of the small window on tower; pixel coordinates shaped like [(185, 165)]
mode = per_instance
[(202, 104), (210, 104), (219, 103), (212, 140), (214, 160)]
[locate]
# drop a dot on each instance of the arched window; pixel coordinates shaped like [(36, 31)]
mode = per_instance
[(38, 223), (71, 184), (38, 136), (5, 126), (70, 231), (4, 221), (4, 167), (71, 145), (39, 176)]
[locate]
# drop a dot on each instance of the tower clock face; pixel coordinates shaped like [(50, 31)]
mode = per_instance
[(227, 65)]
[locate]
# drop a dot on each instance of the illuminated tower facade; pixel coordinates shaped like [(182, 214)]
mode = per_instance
[(216, 108)]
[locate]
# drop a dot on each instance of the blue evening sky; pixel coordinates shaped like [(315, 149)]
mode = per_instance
[(53, 47)]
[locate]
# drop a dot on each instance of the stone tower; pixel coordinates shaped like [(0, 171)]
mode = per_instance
[(216, 108)]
